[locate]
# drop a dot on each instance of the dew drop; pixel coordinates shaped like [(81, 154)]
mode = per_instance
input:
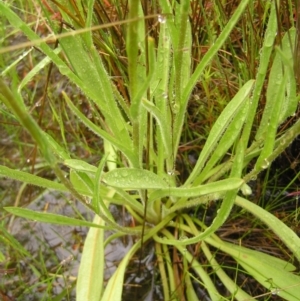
[(275, 291), (246, 189), (161, 19), (282, 142), (265, 164), (165, 95), (175, 108), (171, 172), (253, 178)]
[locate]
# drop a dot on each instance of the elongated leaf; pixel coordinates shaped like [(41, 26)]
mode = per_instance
[(265, 54), (160, 87), (90, 275), (279, 282), (220, 126), (279, 68), (285, 56), (82, 183), (13, 103), (9, 240), (15, 62), (50, 218), (88, 72), (134, 37), (80, 165), (103, 134), (202, 65), (227, 140), (114, 288), (227, 281), (34, 71), (219, 186), (287, 235), (57, 148), (270, 272), (163, 126), (269, 259), (30, 179), (270, 130), (227, 203), (133, 178)]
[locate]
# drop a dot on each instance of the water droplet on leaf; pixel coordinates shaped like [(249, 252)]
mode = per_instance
[(161, 19), (275, 291), (265, 164)]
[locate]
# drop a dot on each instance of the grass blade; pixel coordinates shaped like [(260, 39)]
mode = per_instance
[(51, 218)]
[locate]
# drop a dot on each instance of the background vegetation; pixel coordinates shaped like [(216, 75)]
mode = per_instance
[(157, 124)]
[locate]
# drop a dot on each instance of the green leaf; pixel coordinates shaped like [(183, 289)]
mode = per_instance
[(273, 273), (80, 165), (133, 178), (269, 259), (82, 182), (227, 203), (281, 66), (90, 275), (101, 133), (50, 218), (270, 129), (227, 140), (228, 282), (205, 60), (13, 103), (114, 288), (36, 69), (57, 148), (9, 240), (287, 235), (232, 109), (264, 60), (218, 186), (30, 179), (285, 54), (279, 282), (163, 126)]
